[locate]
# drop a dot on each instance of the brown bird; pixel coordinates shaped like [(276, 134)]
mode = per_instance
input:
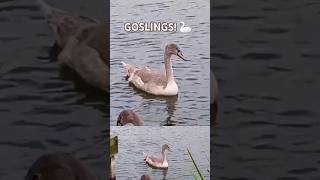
[(129, 117), (145, 177), (158, 160), (59, 166)]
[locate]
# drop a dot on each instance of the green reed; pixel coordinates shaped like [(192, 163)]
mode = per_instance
[(196, 167)]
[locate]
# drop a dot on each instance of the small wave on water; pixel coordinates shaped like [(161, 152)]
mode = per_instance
[(267, 69)]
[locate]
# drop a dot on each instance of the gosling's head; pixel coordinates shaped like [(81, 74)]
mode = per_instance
[(129, 117), (166, 147), (145, 177), (173, 49)]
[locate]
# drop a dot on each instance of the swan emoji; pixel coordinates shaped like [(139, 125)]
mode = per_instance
[(183, 28)]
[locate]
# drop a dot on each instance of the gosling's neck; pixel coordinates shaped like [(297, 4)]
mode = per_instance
[(168, 66), (163, 155)]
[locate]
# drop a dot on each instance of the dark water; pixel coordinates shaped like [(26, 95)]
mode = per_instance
[(133, 141), (191, 107), (266, 58), (42, 108)]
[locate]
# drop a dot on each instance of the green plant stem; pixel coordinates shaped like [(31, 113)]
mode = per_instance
[(194, 163)]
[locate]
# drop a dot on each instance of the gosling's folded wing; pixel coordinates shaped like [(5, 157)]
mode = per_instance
[(151, 76), (155, 159), (87, 62)]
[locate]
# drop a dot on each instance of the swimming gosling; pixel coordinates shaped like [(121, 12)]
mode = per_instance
[(57, 166), (153, 81), (129, 117), (158, 160), (145, 177)]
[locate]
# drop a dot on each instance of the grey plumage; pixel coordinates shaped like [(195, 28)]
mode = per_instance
[(83, 43)]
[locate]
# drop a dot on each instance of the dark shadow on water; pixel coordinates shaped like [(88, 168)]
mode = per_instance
[(214, 114), (54, 52), (92, 94), (171, 102)]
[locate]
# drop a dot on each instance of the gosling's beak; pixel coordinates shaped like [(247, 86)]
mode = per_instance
[(119, 122), (169, 149), (179, 54)]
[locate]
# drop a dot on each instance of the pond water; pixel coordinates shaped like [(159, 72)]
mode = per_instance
[(191, 107), (133, 141), (266, 58)]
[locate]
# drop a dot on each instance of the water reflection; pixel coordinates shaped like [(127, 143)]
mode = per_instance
[(164, 172), (170, 102)]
